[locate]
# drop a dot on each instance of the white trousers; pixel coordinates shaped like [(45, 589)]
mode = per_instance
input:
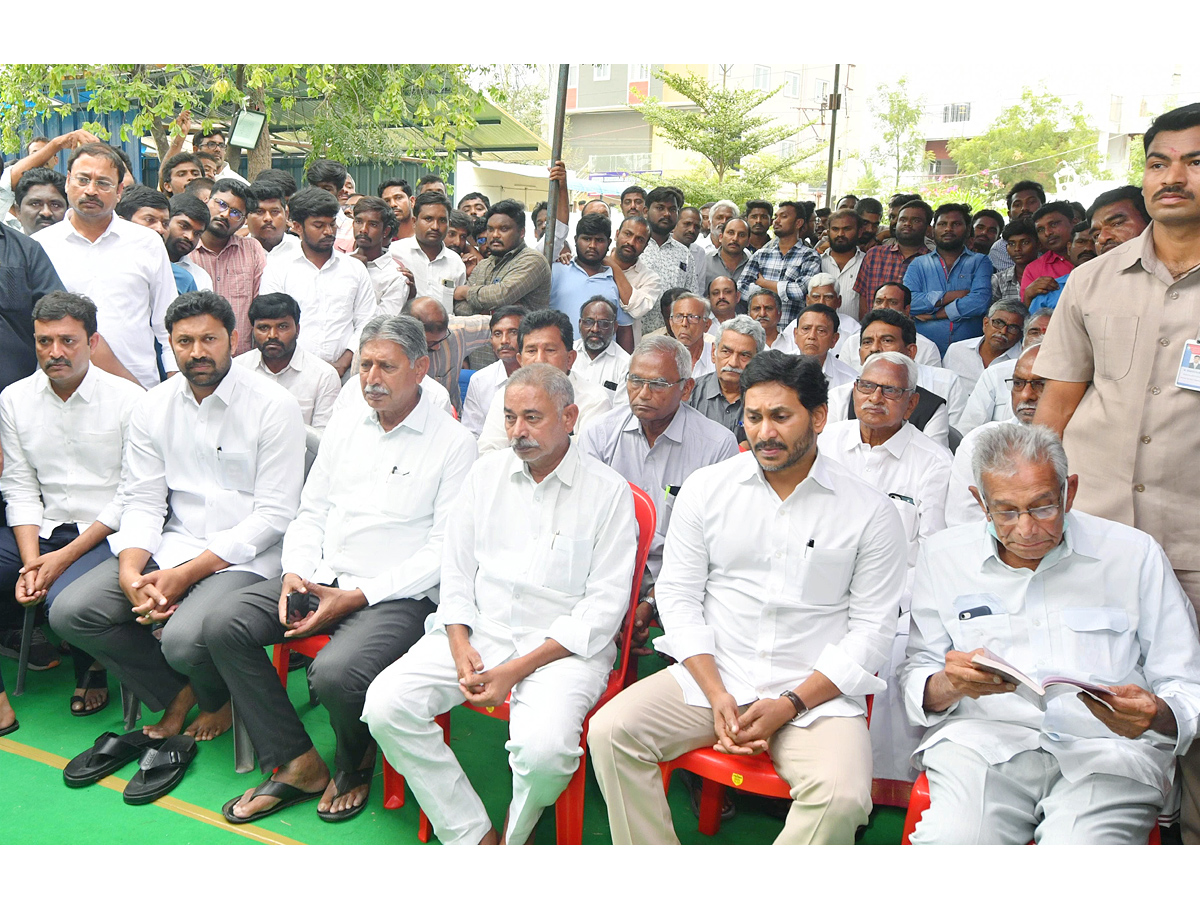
[(546, 716), (893, 738), (1027, 798)]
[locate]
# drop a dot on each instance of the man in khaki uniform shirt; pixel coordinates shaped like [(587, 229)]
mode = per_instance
[(1113, 357)]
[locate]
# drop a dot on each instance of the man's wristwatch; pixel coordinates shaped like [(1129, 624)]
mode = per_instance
[(801, 706)]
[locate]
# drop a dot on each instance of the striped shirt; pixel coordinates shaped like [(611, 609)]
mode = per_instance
[(236, 273)]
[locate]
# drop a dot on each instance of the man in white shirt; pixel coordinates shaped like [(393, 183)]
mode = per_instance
[(436, 270), (334, 291), (843, 257), (122, 267), (62, 433), (824, 288), (535, 580), (366, 546), (765, 310), (815, 334), (897, 296), (990, 401), (884, 450), (1001, 342), (214, 144), (505, 332), (1054, 593), (779, 592), (722, 294), (598, 357), (630, 271), (1024, 391), (268, 222), (691, 317), (215, 463), (546, 336), (275, 324), (374, 226)]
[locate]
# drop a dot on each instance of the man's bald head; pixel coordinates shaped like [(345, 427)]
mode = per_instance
[(430, 312)]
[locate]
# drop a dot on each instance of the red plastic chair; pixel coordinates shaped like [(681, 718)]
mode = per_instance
[(753, 774), (920, 802), (569, 808)]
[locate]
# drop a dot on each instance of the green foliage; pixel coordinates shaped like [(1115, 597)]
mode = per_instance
[(965, 191), (517, 88), (346, 112), (759, 178), (1028, 140), (902, 144), (869, 183), (1137, 159), (722, 129)]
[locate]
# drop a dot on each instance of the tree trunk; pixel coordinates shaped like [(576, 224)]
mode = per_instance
[(259, 158), (162, 143)]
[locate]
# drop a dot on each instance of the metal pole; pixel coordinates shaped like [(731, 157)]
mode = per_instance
[(560, 118), (835, 102)]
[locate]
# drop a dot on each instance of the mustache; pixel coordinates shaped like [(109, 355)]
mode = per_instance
[(770, 445), (58, 361), (202, 361), (1172, 190), (376, 390), (524, 443), (732, 370), (1028, 405)]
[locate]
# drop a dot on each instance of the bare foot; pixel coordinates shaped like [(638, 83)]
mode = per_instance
[(490, 838), (7, 716), (208, 725), (307, 772), (173, 718)]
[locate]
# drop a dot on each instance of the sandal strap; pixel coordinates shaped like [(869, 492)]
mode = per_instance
[(348, 781), (158, 759), (93, 680)]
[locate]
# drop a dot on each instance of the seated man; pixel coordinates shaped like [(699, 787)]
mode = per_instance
[(214, 467), (449, 339), (536, 571), (546, 336), (275, 330), (1025, 390), (371, 524), (689, 321), (816, 334), (1054, 593), (764, 309), (989, 401), (824, 289), (897, 296), (505, 324), (779, 592), (718, 395), (1001, 341), (598, 357), (62, 432), (886, 329)]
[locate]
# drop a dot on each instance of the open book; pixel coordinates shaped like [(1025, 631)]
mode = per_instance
[(1035, 693)]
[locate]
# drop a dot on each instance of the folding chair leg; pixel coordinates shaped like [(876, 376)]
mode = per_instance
[(131, 706), (26, 640), (243, 748)]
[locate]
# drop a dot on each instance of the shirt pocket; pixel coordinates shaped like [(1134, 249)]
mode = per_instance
[(235, 470), (992, 632), (407, 496), (826, 577), (1093, 638), (103, 450), (1114, 339), (568, 564)]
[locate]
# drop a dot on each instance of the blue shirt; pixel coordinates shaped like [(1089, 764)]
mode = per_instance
[(571, 289), (1049, 300), (928, 280), (184, 281)]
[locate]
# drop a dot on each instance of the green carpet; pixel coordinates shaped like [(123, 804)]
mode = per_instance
[(40, 809)]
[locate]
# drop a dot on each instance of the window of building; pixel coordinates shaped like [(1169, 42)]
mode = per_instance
[(791, 84), (762, 78), (956, 112), (787, 148), (820, 91), (572, 76), (601, 71), (639, 72)]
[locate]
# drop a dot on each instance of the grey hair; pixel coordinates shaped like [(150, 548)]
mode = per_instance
[(1010, 306), (743, 324), (1044, 313), (725, 204), (823, 278), (406, 331), (897, 359), (703, 301), (549, 378), (662, 343), (1001, 449)]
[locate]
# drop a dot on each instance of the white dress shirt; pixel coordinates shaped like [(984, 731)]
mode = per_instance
[(705, 363), (223, 475), (991, 400), (202, 278), (645, 286), (436, 278), (128, 275), (336, 300), (1103, 606), (947, 385), (62, 459), (777, 589), (374, 509), (608, 370), (848, 331), (963, 358), (845, 277), (837, 372), (927, 352), (593, 401), (351, 395), (691, 441), (848, 334), (480, 391), (526, 562), (286, 247), (312, 381), (391, 287), (961, 507), (227, 172), (936, 429)]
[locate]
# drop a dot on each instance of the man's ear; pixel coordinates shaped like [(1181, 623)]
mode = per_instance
[(978, 498)]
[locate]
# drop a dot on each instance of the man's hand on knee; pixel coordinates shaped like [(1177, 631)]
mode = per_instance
[(332, 604), (1134, 711), (726, 727)]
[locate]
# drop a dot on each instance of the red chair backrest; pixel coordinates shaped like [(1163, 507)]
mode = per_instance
[(647, 521)]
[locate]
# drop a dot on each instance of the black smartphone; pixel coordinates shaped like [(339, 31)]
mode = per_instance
[(300, 605)]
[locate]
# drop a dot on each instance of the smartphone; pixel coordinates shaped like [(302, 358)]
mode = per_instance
[(300, 605)]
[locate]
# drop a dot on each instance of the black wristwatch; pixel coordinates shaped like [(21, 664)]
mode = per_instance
[(801, 706)]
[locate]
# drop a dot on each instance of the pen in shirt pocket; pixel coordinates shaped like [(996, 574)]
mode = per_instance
[(808, 548)]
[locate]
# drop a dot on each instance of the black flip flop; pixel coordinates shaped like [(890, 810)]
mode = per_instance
[(160, 770), (287, 794), (9, 729), (110, 752), (348, 781), (92, 680)]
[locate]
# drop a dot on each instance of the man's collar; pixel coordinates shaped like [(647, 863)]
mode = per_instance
[(897, 443), (505, 257), (1051, 256), (415, 421), (707, 386), (564, 471), (111, 228), (820, 473), (605, 271), (85, 390), (1075, 542)]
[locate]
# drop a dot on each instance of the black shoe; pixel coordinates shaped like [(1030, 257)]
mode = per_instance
[(694, 784), (42, 654), (297, 661)]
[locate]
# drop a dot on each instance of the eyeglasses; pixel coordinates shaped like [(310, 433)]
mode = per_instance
[(236, 214), (1038, 513), (1038, 384), (656, 385), (212, 145), (1001, 325), (869, 387), (602, 324), (104, 185), (690, 318), (431, 346)]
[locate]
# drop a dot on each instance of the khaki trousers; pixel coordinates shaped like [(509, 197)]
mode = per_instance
[(827, 765)]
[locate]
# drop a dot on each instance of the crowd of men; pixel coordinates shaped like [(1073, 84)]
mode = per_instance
[(940, 460)]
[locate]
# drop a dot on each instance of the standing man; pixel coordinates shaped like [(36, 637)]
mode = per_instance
[(1001, 341), (435, 269), (41, 200), (598, 357), (333, 290), (374, 226), (673, 262), (633, 201), (889, 262), (215, 464), (234, 263), (1024, 199), (588, 275), (122, 267), (268, 222), (513, 273), (869, 211), (844, 257), (952, 287), (397, 194), (178, 172), (718, 395), (1053, 222), (730, 257), (759, 215), (625, 260), (1118, 390), (214, 145), (986, 226), (686, 231), (1021, 241), (784, 265), (1116, 216)]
